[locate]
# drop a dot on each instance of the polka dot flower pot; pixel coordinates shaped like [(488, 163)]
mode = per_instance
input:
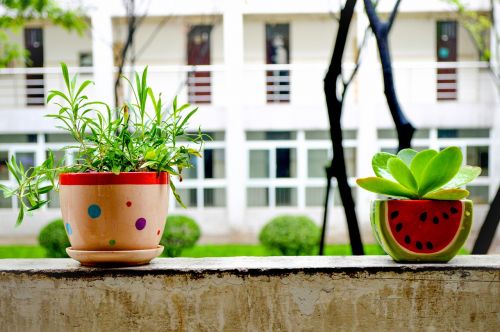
[(107, 215)]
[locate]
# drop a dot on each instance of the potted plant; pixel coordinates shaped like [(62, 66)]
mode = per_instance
[(428, 218), (114, 197)]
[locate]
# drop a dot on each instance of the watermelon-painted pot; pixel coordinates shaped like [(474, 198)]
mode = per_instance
[(109, 212), (421, 230)]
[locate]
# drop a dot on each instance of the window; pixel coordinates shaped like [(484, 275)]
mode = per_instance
[(287, 168), (317, 160), (464, 133), (259, 164), (18, 138), (478, 156), (204, 184), (4, 171), (478, 194), (258, 197), (85, 59), (278, 53), (284, 166)]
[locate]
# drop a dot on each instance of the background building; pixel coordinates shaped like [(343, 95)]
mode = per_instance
[(256, 68)]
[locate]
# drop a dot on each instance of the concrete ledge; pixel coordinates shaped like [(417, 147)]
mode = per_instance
[(252, 294)]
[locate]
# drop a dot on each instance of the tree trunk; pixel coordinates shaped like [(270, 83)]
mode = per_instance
[(334, 106)]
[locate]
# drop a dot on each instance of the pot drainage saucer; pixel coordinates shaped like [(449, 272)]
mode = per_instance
[(115, 257)]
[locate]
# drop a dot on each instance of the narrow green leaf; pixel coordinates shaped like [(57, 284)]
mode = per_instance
[(407, 155), (184, 122), (402, 174), (465, 175), (45, 189), (82, 87), (419, 163), (447, 194), (440, 170), (65, 74), (379, 164), (384, 187), (54, 93), (20, 215), (37, 205)]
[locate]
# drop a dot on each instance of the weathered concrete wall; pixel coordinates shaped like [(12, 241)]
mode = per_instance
[(252, 294)]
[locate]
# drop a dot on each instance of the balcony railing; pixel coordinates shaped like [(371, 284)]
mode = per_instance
[(297, 84), (27, 87)]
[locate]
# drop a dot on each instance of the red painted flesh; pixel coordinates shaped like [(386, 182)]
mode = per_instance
[(424, 235)]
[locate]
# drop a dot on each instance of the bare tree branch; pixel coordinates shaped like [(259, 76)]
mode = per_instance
[(404, 128), (391, 19)]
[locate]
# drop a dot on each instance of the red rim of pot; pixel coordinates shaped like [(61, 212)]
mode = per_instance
[(104, 178)]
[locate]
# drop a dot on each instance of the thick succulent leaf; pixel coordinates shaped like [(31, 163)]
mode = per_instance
[(384, 187), (440, 170), (419, 162), (447, 194), (379, 164), (465, 175), (407, 155), (402, 174)]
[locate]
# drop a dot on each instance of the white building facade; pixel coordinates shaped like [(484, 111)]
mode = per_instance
[(255, 69)]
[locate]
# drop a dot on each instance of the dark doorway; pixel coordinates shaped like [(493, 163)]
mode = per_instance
[(198, 53), (446, 51), (35, 87), (277, 53)]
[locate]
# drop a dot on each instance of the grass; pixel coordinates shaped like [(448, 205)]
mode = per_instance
[(22, 251), (228, 250), (204, 250)]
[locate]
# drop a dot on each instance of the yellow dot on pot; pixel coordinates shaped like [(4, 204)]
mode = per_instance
[(112, 242), (467, 213)]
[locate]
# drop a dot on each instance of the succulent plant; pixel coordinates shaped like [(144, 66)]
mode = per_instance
[(427, 174)]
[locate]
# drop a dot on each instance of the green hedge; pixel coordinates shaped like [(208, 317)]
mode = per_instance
[(181, 232), (53, 238), (291, 235)]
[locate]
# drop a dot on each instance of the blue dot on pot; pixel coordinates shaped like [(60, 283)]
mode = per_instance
[(94, 211), (68, 229), (140, 224)]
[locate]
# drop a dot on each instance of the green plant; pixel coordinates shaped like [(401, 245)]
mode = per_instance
[(131, 140), (181, 232), (290, 235), (427, 174), (54, 239)]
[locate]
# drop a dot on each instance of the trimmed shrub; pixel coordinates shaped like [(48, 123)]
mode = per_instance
[(53, 238), (181, 232), (290, 235)]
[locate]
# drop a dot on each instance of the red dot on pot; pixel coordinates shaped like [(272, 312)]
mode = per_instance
[(129, 203), (158, 232), (140, 224)]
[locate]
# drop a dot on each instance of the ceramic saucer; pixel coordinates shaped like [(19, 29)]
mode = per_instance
[(114, 258)]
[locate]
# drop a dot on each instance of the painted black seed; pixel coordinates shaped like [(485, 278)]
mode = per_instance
[(445, 215), (435, 220), (419, 245), (399, 226), (407, 239), (394, 214), (423, 216), (429, 245), (453, 210)]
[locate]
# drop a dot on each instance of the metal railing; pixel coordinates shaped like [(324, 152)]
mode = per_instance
[(301, 84), (27, 87)]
